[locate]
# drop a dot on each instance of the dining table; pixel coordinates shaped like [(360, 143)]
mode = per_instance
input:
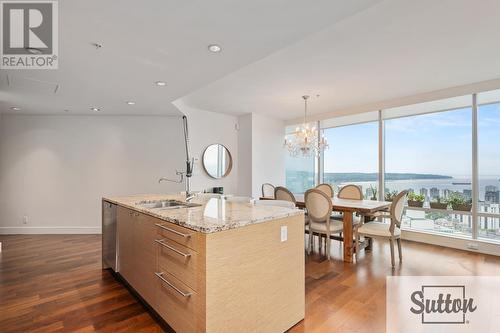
[(349, 207)]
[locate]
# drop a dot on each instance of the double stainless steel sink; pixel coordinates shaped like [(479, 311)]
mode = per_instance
[(165, 204)]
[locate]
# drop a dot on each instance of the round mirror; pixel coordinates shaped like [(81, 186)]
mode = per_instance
[(217, 161)]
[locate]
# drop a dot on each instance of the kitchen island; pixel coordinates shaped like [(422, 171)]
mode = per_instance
[(216, 266)]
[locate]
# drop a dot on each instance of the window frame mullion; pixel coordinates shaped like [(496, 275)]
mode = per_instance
[(475, 169)]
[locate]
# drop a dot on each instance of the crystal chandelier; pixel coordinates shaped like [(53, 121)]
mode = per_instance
[(305, 140)]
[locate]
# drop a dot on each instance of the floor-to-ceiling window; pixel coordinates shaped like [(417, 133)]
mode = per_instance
[(444, 152), (352, 157), (430, 154), (489, 165)]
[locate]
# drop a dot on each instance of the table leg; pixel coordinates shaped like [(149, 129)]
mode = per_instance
[(347, 236)]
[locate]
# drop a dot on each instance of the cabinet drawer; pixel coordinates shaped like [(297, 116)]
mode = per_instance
[(178, 260), (177, 304), (181, 235)]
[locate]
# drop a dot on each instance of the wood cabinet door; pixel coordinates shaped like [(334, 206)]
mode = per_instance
[(125, 243), (145, 258)]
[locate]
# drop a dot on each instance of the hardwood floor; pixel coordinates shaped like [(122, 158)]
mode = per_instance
[(54, 283)]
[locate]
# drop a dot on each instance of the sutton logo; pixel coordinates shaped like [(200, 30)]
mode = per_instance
[(29, 34), (442, 304)]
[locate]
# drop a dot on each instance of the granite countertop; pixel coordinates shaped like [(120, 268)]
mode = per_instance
[(214, 214)]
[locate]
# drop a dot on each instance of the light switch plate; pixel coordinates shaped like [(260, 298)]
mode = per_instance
[(284, 233)]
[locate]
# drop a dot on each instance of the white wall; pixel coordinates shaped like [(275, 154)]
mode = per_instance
[(268, 155), (262, 158), (206, 128), (245, 155), (55, 169)]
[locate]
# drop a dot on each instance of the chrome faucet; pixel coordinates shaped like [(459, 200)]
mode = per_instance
[(189, 165), (189, 195)]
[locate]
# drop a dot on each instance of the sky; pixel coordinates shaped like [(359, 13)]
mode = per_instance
[(437, 143)]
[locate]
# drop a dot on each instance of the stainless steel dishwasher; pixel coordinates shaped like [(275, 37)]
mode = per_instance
[(109, 237)]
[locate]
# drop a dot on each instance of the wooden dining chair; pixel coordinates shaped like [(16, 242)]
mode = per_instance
[(391, 231), (319, 209), (268, 190), (351, 191), (282, 193), (326, 188)]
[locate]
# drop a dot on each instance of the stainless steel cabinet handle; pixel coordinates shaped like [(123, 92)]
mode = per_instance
[(185, 255), (183, 293), (173, 231)]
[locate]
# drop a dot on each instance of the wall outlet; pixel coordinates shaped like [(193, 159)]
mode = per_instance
[(473, 246), (284, 233), (25, 219)]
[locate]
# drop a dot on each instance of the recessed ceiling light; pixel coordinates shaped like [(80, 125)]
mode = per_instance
[(214, 48), (130, 102), (15, 108), (95, 109), (161, 83)]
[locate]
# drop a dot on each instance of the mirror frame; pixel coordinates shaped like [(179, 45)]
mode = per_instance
[(230, 166)]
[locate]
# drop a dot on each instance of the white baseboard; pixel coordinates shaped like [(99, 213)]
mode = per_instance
[(452, 242), (49, 230)]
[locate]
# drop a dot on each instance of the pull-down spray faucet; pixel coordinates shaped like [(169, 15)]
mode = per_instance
[(189, 163)]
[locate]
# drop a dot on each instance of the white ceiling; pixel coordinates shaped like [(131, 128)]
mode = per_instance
[(393, 49), (147, 41)]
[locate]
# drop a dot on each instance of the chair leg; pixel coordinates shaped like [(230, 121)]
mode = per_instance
[(370, 243), (399, 249), (310, 241), (328, 242), (356, 239), (392, 252)]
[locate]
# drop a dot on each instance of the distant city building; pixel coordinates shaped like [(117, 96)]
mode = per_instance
[(467, 194), (491, 188), (492, 197)]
